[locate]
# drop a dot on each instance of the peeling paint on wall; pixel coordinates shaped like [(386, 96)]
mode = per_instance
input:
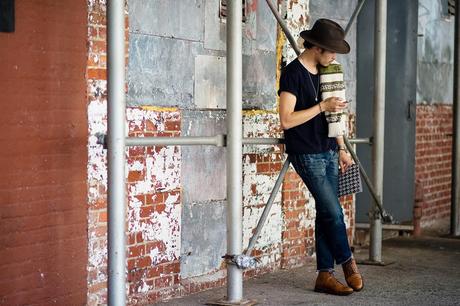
[(297, 19), (163, 227), (257, 187), (97, 156), (162, 172), (271, 232), (261, 125)]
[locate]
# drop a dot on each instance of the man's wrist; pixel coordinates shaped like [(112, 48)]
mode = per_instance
[(342, 148), (320, 108)]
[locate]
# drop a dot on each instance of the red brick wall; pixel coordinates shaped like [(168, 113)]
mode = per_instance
[(298, 239), (433, 161), (154, 198), (43, 218)]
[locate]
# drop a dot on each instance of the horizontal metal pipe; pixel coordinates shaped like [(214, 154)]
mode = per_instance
[(274, 141), (360, 140), (263, 141), (394, 227), (217, 140)]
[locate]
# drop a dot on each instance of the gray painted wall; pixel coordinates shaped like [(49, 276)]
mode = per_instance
[(167, 37), (435, 53), (203, 180)]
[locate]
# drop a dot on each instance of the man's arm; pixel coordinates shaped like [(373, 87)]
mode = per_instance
[(344, 158), (290, 118)]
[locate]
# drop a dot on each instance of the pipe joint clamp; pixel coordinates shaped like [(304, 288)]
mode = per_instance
[(242, 261)]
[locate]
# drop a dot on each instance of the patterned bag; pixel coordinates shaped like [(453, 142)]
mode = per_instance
[(350, 181)]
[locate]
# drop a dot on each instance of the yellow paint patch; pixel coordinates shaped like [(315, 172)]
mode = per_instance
[(160, 108), (280, 42), (255, 112)]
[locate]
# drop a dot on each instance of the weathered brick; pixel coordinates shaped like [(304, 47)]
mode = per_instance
[(173, 267), (136, 251), (97, 74), (163, 281), (433, 157)]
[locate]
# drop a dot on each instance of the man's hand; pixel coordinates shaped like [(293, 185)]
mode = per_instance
[(333, 104), (344, 160)]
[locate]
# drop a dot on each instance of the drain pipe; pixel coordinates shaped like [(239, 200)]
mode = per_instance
[(116, 152), (375, 250), (234, 148), (455, 201)]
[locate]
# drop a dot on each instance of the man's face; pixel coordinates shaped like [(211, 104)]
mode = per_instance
[(325, 58)]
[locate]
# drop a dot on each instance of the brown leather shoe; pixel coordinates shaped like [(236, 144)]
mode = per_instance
[(327, 283), (352, 275)]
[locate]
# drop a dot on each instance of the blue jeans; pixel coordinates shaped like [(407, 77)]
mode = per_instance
[(319, 173)]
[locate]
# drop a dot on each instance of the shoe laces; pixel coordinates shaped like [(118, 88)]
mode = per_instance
[(350, 267)]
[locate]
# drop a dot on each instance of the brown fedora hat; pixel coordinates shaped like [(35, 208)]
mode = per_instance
[(328, 35)]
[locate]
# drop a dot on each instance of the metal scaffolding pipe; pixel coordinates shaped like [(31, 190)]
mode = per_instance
[(380, 34), (385, 216), (455, 210), (263, 141), (217, 140), (116, 152), (234, 148), (354, 16), (283, 27), (267, 208)]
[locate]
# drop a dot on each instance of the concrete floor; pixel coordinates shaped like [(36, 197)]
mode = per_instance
[(426, 271)]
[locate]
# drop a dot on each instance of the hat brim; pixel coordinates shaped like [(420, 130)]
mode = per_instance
[(341, 47)]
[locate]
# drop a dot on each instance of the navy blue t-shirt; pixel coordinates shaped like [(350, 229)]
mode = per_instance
[(311, 136)]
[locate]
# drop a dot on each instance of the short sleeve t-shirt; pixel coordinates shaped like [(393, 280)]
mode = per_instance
[(310, 137)]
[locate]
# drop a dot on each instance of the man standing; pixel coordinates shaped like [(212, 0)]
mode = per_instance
[(314, 155)]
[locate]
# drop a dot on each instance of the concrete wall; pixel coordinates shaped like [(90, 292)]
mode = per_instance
[(435, 53), (188, 40)]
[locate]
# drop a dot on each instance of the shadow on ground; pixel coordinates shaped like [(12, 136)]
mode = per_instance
[(426, 271)]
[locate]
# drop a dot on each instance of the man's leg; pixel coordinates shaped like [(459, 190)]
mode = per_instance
[(350, 269), (312, 170), (320, 180)]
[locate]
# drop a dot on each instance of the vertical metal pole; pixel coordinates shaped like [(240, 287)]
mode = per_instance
[(234, 147), (116, 152), (455, 210), (375, 250)]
